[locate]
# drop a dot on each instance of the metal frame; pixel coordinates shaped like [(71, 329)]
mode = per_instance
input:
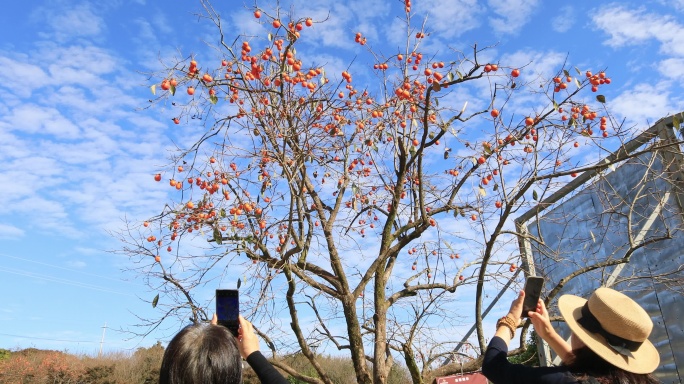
[(663, 128), (672, 159)]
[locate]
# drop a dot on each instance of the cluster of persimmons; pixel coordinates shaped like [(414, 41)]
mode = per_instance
[(270, 86)]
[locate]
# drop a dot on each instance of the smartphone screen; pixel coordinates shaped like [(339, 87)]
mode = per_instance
[(533, 289), (228, 308)]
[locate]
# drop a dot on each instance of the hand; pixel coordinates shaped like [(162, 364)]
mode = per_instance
[(541, 322), (248, 342), (516, 308), (246, 338), (543, 327)]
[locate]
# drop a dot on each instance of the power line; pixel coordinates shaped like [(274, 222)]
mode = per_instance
[(69, 269), (47, 339), (60, 280)]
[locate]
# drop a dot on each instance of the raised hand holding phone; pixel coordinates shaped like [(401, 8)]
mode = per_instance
[(228, 309), (533, 289)]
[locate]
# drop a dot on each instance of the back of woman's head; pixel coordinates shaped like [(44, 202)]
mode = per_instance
[(586, 362), (206, 354)]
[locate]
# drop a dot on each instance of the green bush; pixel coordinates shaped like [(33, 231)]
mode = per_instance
[(530, 357)]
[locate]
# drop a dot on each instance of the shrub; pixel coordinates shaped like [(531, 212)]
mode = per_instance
[(338, 369), (530, 357), (99, 374), (32, 365)]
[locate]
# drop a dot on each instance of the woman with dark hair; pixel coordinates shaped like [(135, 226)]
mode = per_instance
[(210, 354), (609, 342)]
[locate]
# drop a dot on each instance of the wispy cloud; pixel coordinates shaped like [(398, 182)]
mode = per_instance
[(564, 20), (511, 14), (76, 264), (17, 70), (626, 26), (79, 20), (33, 119), (80, 154), (10, 231), (672, 68), (452, 20), (646, 103), (536, 68)]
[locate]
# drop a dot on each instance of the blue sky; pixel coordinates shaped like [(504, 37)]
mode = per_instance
[(79, 150)]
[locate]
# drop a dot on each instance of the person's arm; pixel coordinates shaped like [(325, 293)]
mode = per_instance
[(248, 343), (265, 371), (506, 327), (497, 368), (543, 327), (495, 365)]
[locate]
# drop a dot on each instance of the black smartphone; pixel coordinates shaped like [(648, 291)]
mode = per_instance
[(533, 289), (228, 309)]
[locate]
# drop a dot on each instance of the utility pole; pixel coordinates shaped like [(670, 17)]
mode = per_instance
[(104, 329)]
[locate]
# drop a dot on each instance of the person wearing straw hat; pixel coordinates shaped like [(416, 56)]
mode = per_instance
[(609, 342)]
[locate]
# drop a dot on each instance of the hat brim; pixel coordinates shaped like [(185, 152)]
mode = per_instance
[(645, 359)]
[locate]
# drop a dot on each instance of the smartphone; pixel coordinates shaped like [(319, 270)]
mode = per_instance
[(533, 289), (228, 309)]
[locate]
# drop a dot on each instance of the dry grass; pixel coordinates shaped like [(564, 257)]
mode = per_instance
[(340, 370), (33, 366)]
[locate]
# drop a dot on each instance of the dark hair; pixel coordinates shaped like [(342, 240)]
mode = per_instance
[(586, 362), (202, 354)]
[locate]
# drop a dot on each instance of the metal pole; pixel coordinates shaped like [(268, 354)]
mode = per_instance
[(104, 329), (484, 314)]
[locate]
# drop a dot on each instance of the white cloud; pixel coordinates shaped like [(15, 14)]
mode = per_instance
[(243, 22), (645, 103), (534, 63), (87, 251), (14, 193), (11, 147), (672, 68), (88, 58), (453, 19), (335, 23), (631, 27), (10, 232), (536, 67), (565, 19), (336, 31), (76, 264), (676, 4), (47, 215), (21, 76), (66, 23), (33, 119), (82, 154), (161, 23), (511, 14)]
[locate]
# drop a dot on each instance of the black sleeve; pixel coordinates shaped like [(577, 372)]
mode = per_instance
[(264, 370), (499, 370)]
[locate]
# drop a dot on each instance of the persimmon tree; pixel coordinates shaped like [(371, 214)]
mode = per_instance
[(368, 217)]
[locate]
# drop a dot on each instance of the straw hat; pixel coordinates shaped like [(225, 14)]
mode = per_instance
[(614, 326)]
